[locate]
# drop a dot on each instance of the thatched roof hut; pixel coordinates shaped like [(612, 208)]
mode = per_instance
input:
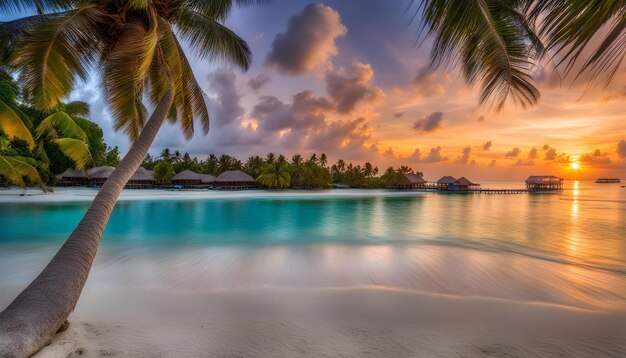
[(463, 184), (445, 180), (98, 175), (72, 177), (142, 175), (72, 173), (408, 181), (544, 182), (235, 180), (187, 178), (207, 178)]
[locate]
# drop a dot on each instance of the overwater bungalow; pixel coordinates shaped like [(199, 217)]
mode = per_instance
[(544, 182), (408, 181), (463, 184), (443, 183), (142, 179), (72, 177), (235, 180), (98, 175)]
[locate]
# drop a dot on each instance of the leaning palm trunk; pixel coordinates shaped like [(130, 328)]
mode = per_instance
[(32, 319)]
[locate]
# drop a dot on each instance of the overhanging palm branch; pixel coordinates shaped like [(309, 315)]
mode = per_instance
[(60, 124), (490, 40), (77, 151), (13, 126), (16, 168), (576, 27)]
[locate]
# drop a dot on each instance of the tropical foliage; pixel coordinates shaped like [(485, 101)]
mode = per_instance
[(31, 155), (498, 44)]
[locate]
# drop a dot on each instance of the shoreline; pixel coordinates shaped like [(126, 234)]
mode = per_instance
[(74, 194), (350, 322)]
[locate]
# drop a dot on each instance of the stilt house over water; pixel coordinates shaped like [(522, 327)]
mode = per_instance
[(544, 182)]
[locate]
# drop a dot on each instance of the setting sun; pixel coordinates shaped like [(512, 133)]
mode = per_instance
[(575, 165)]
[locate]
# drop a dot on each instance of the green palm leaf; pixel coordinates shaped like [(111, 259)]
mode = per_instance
[(15, 168), (12, 125), (56, 52), (59, 124), (491, 42), (76, 150)]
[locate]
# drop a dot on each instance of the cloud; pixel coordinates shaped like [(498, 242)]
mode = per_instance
[(595, 157), (480, 119), (416, 156), (257, 82), (346, 90), (388, 152), (308, 42), (434, 156), (621, 148), (512, 153), (532, 154), (398, 114), (492, 163), (550, 153), (306, 110), (430, 123), (486, 146), (464, 158)]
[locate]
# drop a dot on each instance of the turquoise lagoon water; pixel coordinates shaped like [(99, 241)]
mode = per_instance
[(567, 248)]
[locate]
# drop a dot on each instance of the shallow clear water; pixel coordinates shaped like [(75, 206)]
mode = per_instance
[(562, 248)]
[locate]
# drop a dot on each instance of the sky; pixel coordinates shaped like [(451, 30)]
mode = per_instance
[(346, 78)]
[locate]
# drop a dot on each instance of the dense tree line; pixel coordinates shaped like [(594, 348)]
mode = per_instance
[(277, 171)]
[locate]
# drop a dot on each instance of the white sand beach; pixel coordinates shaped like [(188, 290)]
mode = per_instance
[(81, 194), (354, 322)]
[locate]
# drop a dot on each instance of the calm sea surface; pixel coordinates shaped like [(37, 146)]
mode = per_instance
[(567, 248)]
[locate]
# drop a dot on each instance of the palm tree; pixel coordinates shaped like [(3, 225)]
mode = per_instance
[(135, 45), (497, 44), (296, 160), (323, 160), (166, 155), (276, 175), (405, 170)]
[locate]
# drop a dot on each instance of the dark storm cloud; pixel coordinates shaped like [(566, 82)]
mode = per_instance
[(308, 41)]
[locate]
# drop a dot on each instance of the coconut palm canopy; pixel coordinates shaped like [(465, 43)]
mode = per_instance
[(135, 46)]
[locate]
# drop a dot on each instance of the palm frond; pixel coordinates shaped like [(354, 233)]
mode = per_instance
[(218, 9), (491, 42), (210, 39), (59, 124), (125, 70), (12, 32), (76, 109), (76, 150), (13, 126), (574, 28), (56, 53), (15, 168)]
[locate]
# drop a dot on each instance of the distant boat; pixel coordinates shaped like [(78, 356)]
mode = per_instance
[(608, 180)]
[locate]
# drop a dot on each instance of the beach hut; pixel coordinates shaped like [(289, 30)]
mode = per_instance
[(72, 177), (207, 179), (544, 182), (187, 179), (98, 175), (141, 179), (235, 180), (463, 184), (408, 181)]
